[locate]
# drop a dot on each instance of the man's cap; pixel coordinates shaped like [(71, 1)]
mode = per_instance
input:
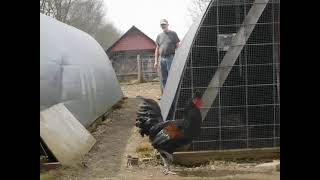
[(163, 21)]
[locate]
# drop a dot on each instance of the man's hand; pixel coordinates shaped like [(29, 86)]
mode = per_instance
[(178, 44), (156, 64)]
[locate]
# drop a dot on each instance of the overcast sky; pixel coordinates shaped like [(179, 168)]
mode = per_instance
[(146, 15)]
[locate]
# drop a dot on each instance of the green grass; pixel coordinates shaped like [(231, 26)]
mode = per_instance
[(46, 176), (145, 149)]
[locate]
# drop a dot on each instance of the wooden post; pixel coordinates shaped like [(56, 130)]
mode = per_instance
[(197, 157), (140, 73)]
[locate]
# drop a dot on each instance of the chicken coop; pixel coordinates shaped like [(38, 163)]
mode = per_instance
[(126, 52), (231, 54)]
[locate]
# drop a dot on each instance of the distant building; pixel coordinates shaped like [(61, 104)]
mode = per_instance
[(123, 55)]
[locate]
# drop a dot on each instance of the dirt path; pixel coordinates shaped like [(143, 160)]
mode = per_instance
[(117, 137), (105, 158), (108, 154)]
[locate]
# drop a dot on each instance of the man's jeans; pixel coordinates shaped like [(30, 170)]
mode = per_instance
[(165, 64)]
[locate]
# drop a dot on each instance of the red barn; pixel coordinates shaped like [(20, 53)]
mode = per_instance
[(123, 55)]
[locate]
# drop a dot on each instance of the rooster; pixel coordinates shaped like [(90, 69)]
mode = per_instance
[(169, 136)]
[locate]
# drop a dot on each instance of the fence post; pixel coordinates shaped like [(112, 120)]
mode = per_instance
[(140, 73)]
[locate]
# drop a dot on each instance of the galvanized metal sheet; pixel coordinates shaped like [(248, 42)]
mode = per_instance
[(64, 135), (75, 70)]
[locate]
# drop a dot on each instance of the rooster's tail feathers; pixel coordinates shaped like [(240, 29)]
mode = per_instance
[(148, 115)]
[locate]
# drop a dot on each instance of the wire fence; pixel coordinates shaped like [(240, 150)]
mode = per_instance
[(246, 111), (126, 65)]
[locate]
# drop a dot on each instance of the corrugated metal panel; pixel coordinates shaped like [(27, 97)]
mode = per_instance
[(133, 40), (75, 70)]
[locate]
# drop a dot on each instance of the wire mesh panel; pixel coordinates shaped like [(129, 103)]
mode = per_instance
[(246, 111)]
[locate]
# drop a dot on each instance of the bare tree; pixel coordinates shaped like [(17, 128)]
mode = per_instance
[(57, 9), (197, 7), (46, 7), (107, 34), (86, 15)]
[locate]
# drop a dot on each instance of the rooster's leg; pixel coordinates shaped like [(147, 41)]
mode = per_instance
[(155, 153), (165, 164), (167, 160), (168, 156)]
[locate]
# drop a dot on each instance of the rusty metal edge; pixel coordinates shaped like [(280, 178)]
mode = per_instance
[(50, 166)]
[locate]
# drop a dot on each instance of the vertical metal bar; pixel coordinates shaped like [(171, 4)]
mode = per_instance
[(246, 85), (278, 58), (274, 78), (218, 51), (191, 74)]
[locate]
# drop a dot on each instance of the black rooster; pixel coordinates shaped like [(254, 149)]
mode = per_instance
[(169, 136)]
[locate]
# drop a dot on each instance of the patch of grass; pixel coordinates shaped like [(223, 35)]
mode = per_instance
[(46, 176), (118, 105), (144, 149)]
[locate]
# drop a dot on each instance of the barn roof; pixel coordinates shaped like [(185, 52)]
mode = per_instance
[(134, 39)]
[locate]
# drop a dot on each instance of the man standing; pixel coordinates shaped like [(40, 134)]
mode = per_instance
[(167, 42)]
